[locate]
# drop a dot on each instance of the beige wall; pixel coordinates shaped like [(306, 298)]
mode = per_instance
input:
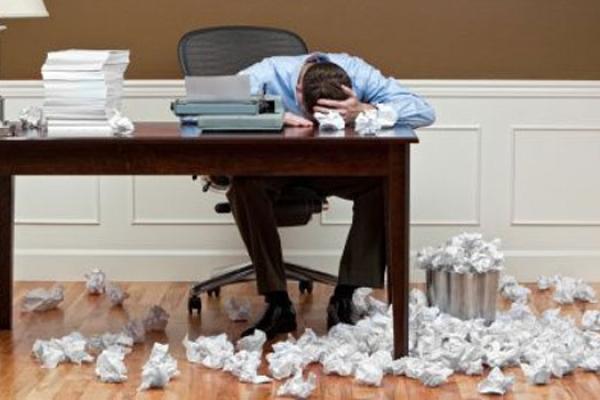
[(460, 39), (516, 160)]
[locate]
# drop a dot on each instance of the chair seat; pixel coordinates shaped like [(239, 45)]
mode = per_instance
[(294, 207)]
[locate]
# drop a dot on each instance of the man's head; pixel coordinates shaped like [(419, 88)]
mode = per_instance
[(322, 80)]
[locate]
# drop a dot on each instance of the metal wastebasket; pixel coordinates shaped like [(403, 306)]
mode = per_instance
[(464, 296)]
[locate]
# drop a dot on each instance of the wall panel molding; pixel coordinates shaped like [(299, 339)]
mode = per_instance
[(517, 130), (476, 178), (476, 130), (92, 220), (206, 220)]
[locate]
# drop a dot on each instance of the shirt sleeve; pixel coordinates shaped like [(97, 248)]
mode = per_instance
[(412, 110), (260, 74)]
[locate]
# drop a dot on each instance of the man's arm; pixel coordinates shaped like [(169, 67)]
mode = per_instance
[(372, 87), (261, 74), (349, 109)]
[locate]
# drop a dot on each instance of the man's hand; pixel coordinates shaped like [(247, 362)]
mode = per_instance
[(348, 109), (291, 119)]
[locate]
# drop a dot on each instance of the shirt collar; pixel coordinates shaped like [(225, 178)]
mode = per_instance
[(312, 57)]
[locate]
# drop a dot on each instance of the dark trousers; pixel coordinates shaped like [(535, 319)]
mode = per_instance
[(364, 257)]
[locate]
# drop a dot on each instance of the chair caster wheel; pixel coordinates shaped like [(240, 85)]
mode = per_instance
[(194, 303), (305, 287), (216, 292)]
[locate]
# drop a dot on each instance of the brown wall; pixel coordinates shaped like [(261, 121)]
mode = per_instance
[(438, 39)]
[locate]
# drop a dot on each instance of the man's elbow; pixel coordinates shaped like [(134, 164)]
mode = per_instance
[(424, 118), (429, 116)]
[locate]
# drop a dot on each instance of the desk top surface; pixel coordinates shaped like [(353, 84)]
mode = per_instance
[(165, 132)]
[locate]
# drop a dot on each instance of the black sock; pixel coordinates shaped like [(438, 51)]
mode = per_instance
[(279, 297), (344, 291)]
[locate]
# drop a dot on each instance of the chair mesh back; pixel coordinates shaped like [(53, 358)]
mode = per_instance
[(227, 50)]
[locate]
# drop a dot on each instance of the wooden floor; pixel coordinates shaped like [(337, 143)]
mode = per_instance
[(22, 378)]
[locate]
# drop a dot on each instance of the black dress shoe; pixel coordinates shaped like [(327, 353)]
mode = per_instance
[(341, 309), (276, 319)]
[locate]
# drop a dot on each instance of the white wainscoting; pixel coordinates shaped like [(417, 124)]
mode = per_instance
[(519, 160)]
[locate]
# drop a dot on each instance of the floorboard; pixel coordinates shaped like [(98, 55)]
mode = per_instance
[(22, 378)]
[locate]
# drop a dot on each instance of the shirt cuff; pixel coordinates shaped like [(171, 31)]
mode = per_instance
[(387, 115)]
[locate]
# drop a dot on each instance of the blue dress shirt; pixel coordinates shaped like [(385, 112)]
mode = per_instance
[(279, 76)]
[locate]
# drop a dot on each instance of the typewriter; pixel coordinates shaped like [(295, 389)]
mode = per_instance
[(224, 103)]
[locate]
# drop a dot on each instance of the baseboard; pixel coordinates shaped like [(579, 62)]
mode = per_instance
[(145, 265), (192, 265)]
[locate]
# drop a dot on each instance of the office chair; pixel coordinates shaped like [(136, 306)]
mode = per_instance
[(226, 51)]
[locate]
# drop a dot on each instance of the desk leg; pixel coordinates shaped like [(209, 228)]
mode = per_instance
[(6, 250), (398, 226)]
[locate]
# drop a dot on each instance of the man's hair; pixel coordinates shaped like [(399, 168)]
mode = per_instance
[(323, 81)]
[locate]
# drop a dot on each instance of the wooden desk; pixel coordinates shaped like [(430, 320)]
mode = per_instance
[(160, 148)]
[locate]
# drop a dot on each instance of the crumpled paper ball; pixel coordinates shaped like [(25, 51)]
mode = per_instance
[(330, 122), (368, 373), (136, 330), (210, 351), (286, 358), (156, 319), (116, 294), (252, 343), (95, 281), (40, 299), (367, 123), (372, 121), (510, 289), (567, 290), (496, 383), (297, 386), (160, 368), (538, 373), (244, 364), (237, 309), (110, 367), (121, 126), (116, 341), (32, 118), (464, 253), (70, 348), (591, 320)]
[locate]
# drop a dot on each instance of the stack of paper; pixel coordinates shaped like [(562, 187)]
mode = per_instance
[(83, 90)]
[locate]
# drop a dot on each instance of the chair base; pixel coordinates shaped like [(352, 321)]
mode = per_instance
[(245, 272)]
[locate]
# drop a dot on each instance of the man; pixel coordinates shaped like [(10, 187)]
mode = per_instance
[(308, 84)]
